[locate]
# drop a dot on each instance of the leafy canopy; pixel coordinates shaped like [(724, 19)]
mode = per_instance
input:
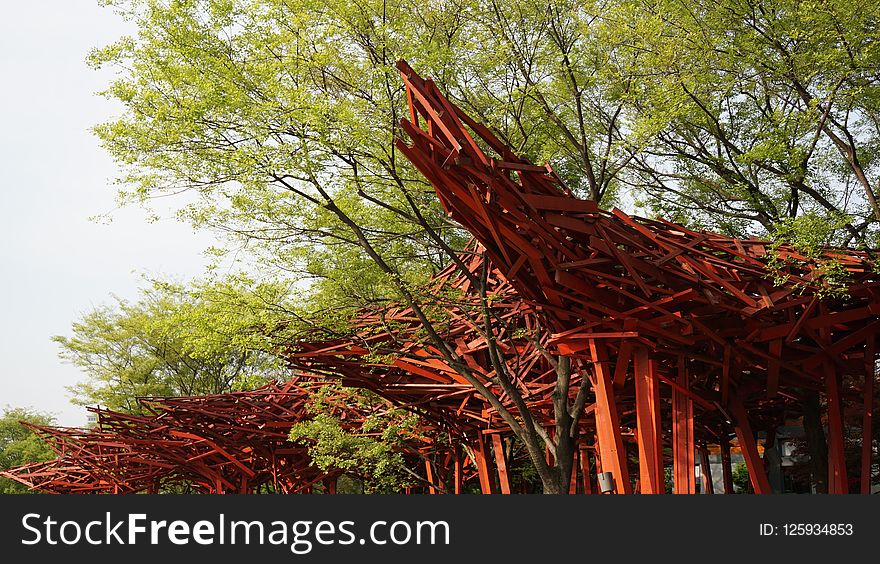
[(371, 450), (177, 340), (19, 445), (266, 110), (753, 113)]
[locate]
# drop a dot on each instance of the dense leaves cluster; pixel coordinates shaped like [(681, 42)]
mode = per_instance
[(206, 338), (19, 445), (372, 451)]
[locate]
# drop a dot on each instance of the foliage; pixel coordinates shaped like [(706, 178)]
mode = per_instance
[(19, 445), (521, 472), (263, 108), (809, 234), (177, 340), (371, 450), (268, 109), (747, 118), (751, 113), (741, 480), (668, 480)]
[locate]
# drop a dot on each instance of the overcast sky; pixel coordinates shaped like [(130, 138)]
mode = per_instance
[(56, 264)]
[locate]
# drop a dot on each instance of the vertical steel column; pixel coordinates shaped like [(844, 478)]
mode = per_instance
[(837, 481), (501, 463), (650, 439), (611, 450), (683, 469), (457, 472), (749, 447), (726, 470), (484, 466), (706, 471), (429, 475)]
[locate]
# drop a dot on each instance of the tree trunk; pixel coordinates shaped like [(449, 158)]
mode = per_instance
[(565, 433), (564, 458)]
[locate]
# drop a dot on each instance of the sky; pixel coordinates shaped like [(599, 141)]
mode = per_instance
[(55, 263)]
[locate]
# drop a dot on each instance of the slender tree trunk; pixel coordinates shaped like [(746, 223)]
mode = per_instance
[(565, 448), (566, 434)]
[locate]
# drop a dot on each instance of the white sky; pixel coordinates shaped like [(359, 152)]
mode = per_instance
[(56, 264)]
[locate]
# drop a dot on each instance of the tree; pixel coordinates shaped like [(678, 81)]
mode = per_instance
[(204, 338), (746, 114), (19, 445), (755, 118), (741, 481)]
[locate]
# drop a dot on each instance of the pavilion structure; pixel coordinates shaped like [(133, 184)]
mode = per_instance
[(683, 330), (385, 354), (222, 443), (214, 444)]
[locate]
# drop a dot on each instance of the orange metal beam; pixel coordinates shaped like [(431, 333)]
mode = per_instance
[(484, 470), (651, 479), (684, 478), (706, 471), (429, 475), (458, 470), (501, 463), (611, 449), (726, 470), (837, 480), (749, 447)]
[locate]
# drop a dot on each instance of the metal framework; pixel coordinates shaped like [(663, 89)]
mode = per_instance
[(221, 443), (218, 443), (386, 355), (688, 343), (651, 304)]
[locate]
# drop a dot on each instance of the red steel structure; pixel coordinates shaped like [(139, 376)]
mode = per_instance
[(386, 355), (237, 442), (218, 443), (222, 443), (651, 304), (687, 341)]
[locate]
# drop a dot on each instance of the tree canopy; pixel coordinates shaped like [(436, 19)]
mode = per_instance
[(736, 115), (205, 338), (19, 445), (372, 452), (749, 114)]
